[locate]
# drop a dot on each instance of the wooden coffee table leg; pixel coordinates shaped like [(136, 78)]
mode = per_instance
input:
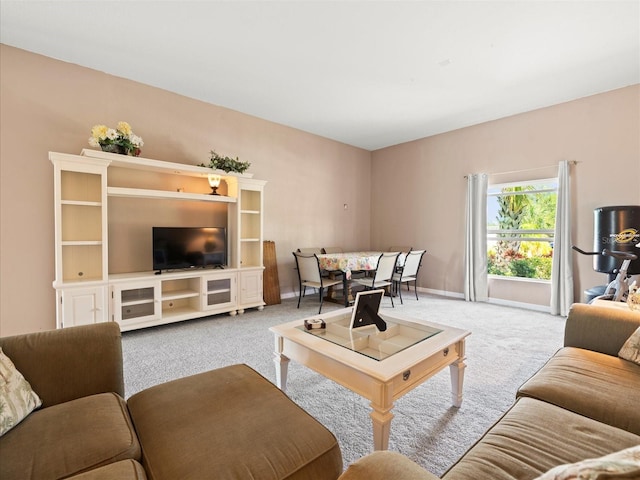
[(381, 418), (457, 376), (282, 364)]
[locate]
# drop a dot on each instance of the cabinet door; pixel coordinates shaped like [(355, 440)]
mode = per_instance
[(218, 292), (251, 288), (136, 302), (83, 306)]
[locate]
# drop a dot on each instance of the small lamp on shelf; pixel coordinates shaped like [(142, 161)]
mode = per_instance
[(214, 182)]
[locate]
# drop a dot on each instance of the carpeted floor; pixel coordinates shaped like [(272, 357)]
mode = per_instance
[(507, 346)]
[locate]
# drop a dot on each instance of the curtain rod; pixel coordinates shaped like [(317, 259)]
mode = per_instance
[(571, 162)]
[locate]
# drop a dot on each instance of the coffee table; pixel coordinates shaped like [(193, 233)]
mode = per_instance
[(379, 366)]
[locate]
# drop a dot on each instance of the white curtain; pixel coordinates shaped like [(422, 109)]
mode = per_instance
[(562, 267), (476, 287)]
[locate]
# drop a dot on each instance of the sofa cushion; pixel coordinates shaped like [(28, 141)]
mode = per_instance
[(386, 465), (230, 423), (631, 348), (623, 464), (599, 386), (69, 438), (70, 362), (533, 437), (122, 470), (17, 398)]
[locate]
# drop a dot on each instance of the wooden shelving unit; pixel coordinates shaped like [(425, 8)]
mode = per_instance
[(87, 293)]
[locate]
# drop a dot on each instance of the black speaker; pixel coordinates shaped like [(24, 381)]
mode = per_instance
[(616, 228)]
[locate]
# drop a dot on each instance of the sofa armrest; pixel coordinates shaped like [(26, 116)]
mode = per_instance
[(600, 329), (70, 363), (385, 465)]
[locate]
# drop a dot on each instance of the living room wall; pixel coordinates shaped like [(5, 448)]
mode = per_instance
[(48, 105), (412, 193), (425, 180)]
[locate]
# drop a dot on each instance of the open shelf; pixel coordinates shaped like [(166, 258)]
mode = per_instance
[(179, 294), (182, 313), (159, 166), (81, 203), (160, 194)]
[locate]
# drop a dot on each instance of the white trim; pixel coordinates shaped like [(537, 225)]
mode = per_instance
[(493, 238), (442, 293), (523, 192), (494, 301), (494, 231), (519, 279), (526, 306), (520, 183)]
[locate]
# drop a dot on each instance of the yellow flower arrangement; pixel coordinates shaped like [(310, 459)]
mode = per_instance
[(119, 140)]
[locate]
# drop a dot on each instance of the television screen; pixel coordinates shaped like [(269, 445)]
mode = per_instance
[(188, 247)]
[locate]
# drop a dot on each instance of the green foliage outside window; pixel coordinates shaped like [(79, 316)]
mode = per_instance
[(522, 208), (531, 267)]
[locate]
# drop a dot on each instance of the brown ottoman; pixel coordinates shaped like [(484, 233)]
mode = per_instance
[(230, 423)]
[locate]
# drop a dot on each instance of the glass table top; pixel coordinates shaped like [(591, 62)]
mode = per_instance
[(370, 342)]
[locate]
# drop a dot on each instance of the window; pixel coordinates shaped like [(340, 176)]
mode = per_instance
[(520, 227)]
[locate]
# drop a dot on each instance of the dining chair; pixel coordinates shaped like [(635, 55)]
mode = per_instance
[(312, 251), (310, 275), (383, 275), (403, 253), (409, 272)]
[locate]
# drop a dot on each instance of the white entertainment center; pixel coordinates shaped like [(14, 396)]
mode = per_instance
[(86, 292)]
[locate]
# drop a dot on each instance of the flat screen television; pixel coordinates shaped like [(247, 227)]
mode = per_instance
[(189, 247)]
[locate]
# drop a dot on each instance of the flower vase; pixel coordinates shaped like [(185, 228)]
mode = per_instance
[(113, 148)]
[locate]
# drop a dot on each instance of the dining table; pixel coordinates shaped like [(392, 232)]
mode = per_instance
[(347, 263)]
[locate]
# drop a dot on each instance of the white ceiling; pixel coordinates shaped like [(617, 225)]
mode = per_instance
[(367, 73)]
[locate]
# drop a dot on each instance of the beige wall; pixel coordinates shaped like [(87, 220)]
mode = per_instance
[(412, 193), (47, 105), (425, 180)]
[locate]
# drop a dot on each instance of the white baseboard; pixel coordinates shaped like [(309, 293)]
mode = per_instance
[(442, 293), (527, 306), (494, 301)]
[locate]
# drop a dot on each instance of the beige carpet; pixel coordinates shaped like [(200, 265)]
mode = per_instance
[(507, 346)]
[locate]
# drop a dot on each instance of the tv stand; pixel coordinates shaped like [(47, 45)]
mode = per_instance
[(143, 299), (86, 292)]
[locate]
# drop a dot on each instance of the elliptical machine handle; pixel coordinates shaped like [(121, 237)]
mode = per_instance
[(586, 253)]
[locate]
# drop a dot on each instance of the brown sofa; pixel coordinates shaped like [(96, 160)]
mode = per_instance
[(226, 423), (232, 423), (584, 403)]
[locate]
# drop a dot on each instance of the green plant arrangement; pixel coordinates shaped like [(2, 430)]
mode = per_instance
[(226, 164), (120, 140)]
